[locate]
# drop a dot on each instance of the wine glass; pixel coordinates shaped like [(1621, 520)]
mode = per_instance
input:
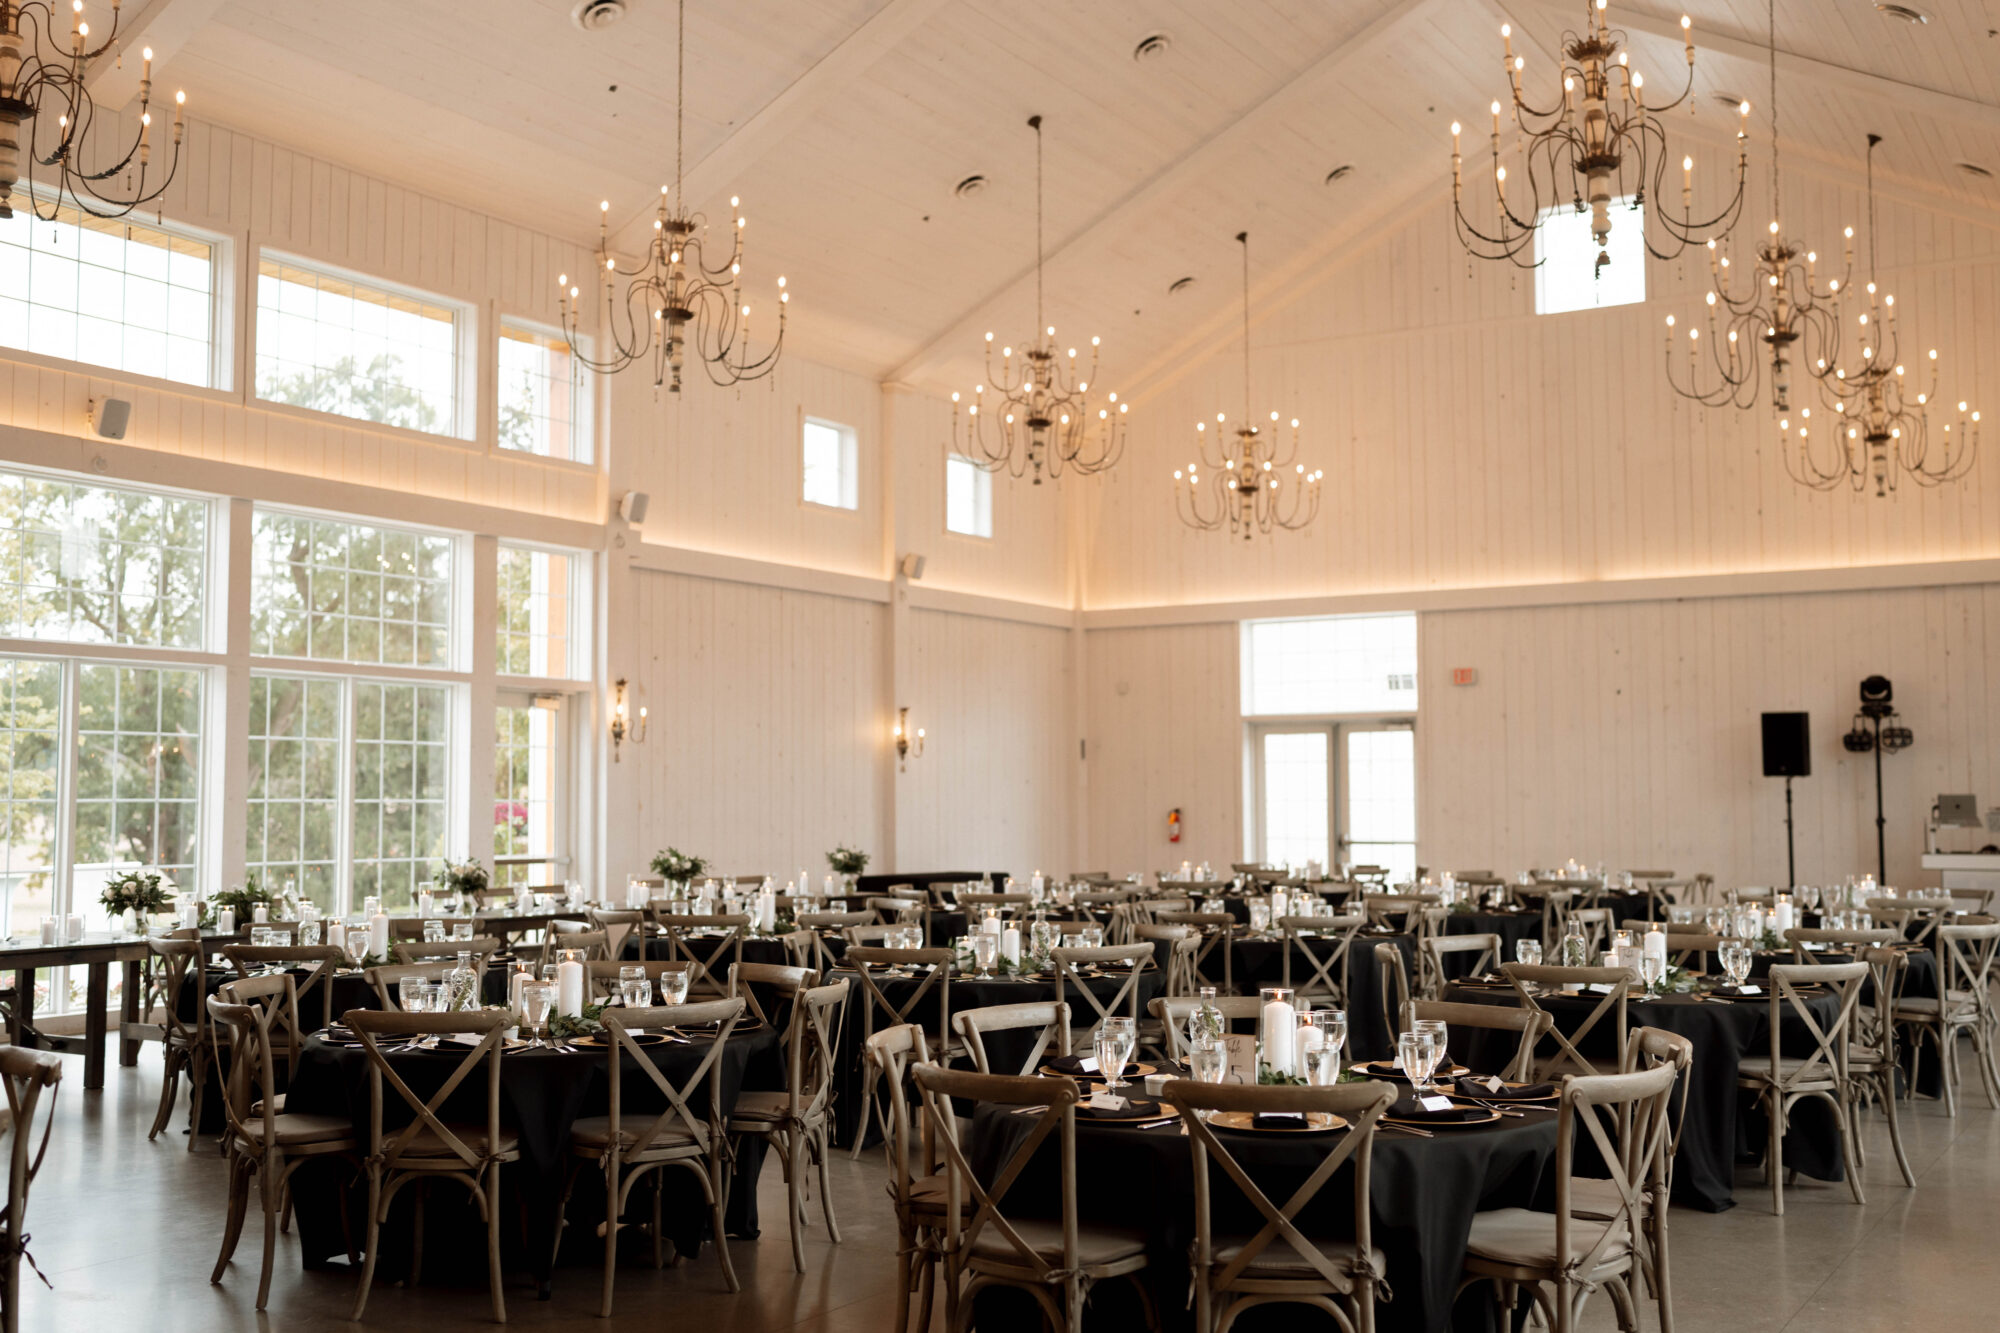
[(536, 999), (1413, 1050), (1117, 1039), (1652, 970), (674, 986), (985, 949), (1735, 956), (1208, 1059), (1809, 897), (1528, 952), (1439, 1054), (1332, 1023)]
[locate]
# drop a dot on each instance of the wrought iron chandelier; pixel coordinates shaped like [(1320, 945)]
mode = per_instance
[(1880, 430), (1601, 138), (44, 86), (1785, 309), (673, 302), (1253, 490), (1041, 419)]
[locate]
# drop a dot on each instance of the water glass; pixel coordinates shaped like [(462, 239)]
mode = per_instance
[(1652, 971), (636, 994), (1438, 1034), (674, 986), (537, 997), (433, 932), (1413, 1055), (461, 930), (629, 974), (309, 930), (1735, 958), (985, 949), (1208, 1059), (1090, 937), (260, 937), (1528, 952), (1114, 1045)]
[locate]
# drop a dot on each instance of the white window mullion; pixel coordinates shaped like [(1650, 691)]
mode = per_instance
[(61, 893), (343, 833)]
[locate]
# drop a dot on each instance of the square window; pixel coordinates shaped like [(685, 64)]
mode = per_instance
[(968, 497), (1567, 274), (831, 468), (1330, 665), (544, 394), (536, 612)]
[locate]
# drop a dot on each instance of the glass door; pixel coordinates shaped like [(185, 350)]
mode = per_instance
[(1336, 792), (1377, 815), (1294, 792)]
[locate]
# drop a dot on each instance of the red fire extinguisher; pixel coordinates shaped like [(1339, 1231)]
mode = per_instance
[(1174, 824)]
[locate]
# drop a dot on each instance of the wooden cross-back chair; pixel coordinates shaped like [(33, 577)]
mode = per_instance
[(1217, 930), (189, 1036), (481, 947), (711, 943), (1529, 982), (780, 983), (1528, 1025), (1434, 949), (1092, 1011), (1302, 936), (1116, 908), (1280, 1263), (387, 980), (686, 1134), (1179, 944), (821, 929), (429, 1148), (1392, 982), (296, 1018), (879, 1011), (916, 1187), (1780, 1082), (26, 1075), (1873, 1070), (1963, 1005), (798, 1122), (1050, 1018), (1173, 1011), (261, 1139), (1055, 1262), (619, 927)]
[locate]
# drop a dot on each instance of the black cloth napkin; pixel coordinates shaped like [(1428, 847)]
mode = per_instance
[(1072, 1065), (1263, 1120), (1476, 1086), (1406, 1108), (1133, 1110)]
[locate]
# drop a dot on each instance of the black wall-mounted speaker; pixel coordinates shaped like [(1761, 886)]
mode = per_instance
[(1787, 747)]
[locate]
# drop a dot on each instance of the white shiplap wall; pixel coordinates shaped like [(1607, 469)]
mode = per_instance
[(1630, 733)]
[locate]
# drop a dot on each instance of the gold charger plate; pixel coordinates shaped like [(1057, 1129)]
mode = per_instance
[(1317, 1122), (1488, 1118), (638, 1039)]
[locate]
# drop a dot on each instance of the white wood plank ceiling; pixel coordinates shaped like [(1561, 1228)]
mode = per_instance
[(845, 125)]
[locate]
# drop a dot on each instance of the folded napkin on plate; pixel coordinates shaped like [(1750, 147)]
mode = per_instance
[(1752, 990), (1263, 1120), (1133, 1109), (1073, 1066), (1406, 1108), (1491, 1088)]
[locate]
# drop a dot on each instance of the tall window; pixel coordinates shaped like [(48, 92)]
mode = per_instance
[(1330, 665), (528, 812), (347, 593), (402, 736), (831, 466), (112, 293), (30, 753), (544, 401), (1568, 277), (332, 344), (97, 564), (538, 603), (138, 774), (297, 758), (968, 497)]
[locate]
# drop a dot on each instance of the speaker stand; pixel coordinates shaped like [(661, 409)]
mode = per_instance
[(1791, 866)]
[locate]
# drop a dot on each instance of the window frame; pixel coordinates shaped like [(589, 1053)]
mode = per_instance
[(564, 740), (582, 564), (468, 411), (982, 481), (1634, 218), (1246, 693), (458, 652), (592, 391), (850, 465)]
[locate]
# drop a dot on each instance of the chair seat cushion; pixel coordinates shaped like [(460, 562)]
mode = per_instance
[(1280, 1261), (427, 1143), (1096, 1246), (761, 1106), (299, 1129), (1528, 1239), (1758, 1068), (595, 1132), (1599, 1199), (929, 1194), (1926, 1006)]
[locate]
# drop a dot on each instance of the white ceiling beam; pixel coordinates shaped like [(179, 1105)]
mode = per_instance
[(1211, 157), (1904, 96), (164, 25), (802, 99)]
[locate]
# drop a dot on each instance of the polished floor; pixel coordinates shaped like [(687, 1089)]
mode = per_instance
[(126, 1232)]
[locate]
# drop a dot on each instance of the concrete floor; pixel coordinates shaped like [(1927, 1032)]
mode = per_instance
[(127, 1232)]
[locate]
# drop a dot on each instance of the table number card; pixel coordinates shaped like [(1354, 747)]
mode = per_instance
[(1242, 1048)]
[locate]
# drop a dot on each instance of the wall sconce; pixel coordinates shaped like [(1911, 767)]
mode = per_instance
[(622, 729), (903, 742)]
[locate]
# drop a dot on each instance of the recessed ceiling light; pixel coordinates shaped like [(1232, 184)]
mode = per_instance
[(597, 15), (1179, 285), (1152, 47), (1341, 172), (1903, 12), (1975, 170), (969, 187)]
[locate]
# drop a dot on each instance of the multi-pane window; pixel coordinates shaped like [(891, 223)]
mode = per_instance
[(296, 757), (113, 293), (138, 774), (347, 593), (402, 740), (94, 564), (333, 344), (544, 402), (527, 807), (30, 753), (1334, 664), (968, 497), (1568, 274), (831, 467), (535, 615)]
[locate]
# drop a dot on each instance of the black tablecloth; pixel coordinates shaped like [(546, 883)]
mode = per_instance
[(1422, 1198), (542, 1093), (1718, 1123)]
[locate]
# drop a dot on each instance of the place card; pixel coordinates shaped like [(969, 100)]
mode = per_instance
[(1435, 1103), (1750, 990), (1106, 1101), (1087, 1064)]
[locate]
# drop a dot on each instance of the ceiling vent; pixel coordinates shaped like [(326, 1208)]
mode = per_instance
[(1903, 12), (970, 187), (1179, 285), (1152, 47), (597, 15)]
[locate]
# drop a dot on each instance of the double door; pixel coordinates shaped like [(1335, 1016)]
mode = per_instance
[(1339, 793)]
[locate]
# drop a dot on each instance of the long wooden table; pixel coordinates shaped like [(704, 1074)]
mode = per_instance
[(96, 954)]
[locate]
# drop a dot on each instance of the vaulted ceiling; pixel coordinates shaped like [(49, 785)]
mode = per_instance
[(845, 125)]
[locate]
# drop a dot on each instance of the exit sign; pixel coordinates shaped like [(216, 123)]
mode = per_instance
[(1465, 675)]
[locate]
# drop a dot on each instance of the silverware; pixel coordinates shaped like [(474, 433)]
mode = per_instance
[(1155, 1124), (1409, 1129), (1498, 1110)]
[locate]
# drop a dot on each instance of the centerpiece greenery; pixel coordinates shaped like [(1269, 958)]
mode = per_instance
[(568, 1027), (139, 892), (678, 867), (465, 877), (847, 860), (242, 900)]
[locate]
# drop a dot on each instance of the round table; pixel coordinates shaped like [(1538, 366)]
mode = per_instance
[(1724, 1032), (542, 1093), (1423, 1194)]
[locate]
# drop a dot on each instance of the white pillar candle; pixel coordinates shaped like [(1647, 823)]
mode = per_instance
[(1010, 944), (49, 930), (336, 934), (190, 916), (426, 904), (1655, 943), (1038, 883), (990, 926), (1782, 915), (225, 921), (75, 927), (569, 988), (378, 935), (1310, 1038), (767, 908), (1280, 1024), (259, 914), (515, 978)]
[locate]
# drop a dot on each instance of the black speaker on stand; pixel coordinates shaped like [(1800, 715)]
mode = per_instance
[(1788, 755)]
